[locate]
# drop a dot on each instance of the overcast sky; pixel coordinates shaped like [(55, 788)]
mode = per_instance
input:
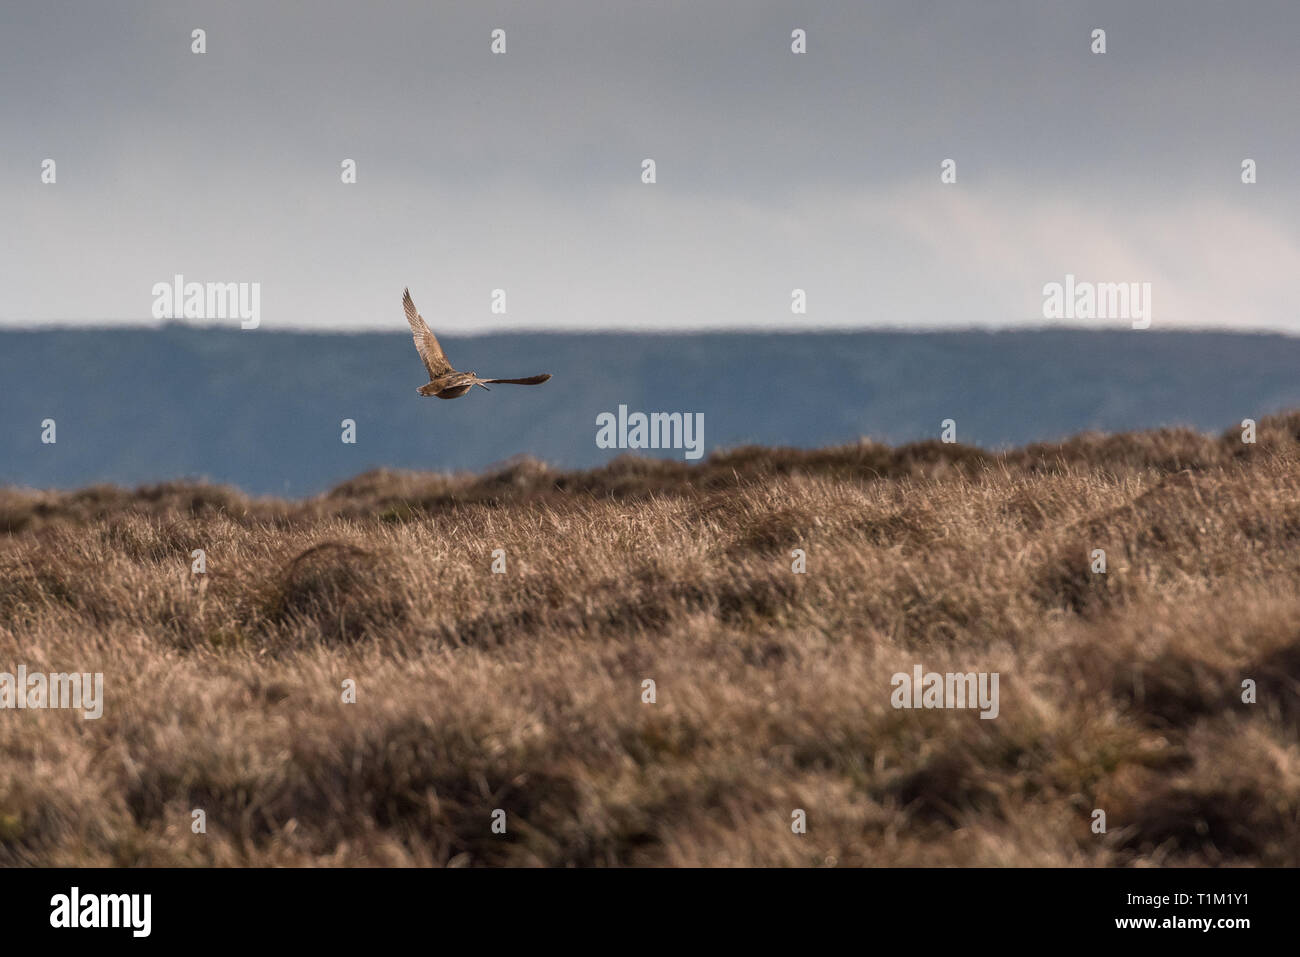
[(775, 171)]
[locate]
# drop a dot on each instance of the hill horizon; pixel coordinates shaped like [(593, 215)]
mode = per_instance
[(264, 411)]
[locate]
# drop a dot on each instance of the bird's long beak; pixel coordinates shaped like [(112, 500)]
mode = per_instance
[(482, 386)]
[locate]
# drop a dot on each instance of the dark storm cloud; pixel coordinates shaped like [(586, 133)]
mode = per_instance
[(776, 171)]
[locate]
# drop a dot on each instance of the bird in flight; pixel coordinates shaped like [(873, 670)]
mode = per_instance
[(444, 381)]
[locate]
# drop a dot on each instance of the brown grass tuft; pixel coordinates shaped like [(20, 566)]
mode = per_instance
[(341, 592)]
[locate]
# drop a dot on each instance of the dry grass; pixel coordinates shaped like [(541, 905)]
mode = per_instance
[(522, 691)]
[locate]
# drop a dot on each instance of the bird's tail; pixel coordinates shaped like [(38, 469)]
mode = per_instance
[(531, 380)]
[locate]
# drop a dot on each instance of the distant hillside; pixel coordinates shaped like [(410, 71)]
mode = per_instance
[(262, 410)]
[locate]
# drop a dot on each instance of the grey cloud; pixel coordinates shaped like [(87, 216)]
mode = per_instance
[(522, 171)]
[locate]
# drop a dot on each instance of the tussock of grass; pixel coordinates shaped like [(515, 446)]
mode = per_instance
[(522, 691)]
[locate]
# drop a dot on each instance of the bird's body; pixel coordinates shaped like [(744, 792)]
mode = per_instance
[(450, 386), (444, 381)]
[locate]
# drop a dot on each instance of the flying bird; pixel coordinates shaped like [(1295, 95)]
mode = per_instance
[(444, 381)]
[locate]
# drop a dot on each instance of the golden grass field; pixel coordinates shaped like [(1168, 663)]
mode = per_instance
[(522, 691)]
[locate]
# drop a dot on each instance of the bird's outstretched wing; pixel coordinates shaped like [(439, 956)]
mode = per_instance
[(426, 344), (531, 380)]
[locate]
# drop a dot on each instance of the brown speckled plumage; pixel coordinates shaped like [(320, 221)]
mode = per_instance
[(444, 381)]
